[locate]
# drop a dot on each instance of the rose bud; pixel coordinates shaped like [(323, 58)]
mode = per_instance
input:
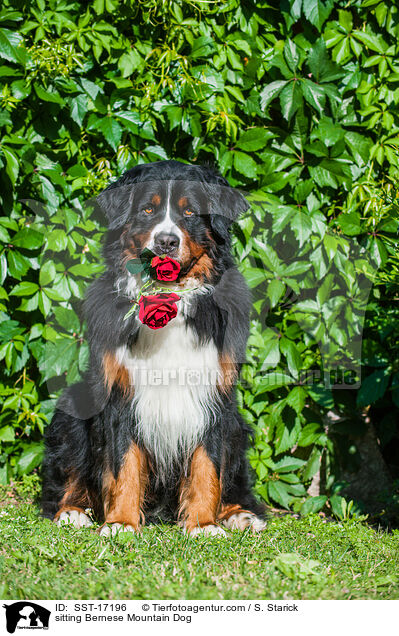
[(156, 311), (167, 269)]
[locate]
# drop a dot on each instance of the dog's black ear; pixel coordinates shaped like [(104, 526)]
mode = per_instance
[(225, 206), (115, 204), (116, 201)]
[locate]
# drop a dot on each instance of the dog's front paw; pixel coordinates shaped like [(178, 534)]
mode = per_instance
[(112, 529), (210, 530), (74, 518), (242, 520)]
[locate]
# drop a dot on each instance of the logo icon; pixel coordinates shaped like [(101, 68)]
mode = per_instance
[(26, 615)]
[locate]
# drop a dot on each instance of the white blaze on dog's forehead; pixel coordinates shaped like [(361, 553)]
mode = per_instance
[(167, 225)]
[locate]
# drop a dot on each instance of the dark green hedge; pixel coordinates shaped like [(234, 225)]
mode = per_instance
[(296, 102)]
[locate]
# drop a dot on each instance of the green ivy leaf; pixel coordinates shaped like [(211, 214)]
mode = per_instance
[(317, 11), (24, 289), (29, 304), (312, 433), (12, 164), (275, 290), (3, 267), (254, 139), (278, 492), (47, 273), (9, 46), (79, 107), (57, 240), (373, 387), (291, 99), (18, 265), (372, 41), (323, 69), (359, 146), (58, 356), (294, 359), (134, 123), (313, 464), (313, 504), (30, 458), (296, 398), (270, 92), (44, 303), (244, 164), (67, 319), (28, 238), (314, 94), (202, 47), (47, 95), (272, 381), (111, 130), (291, 55), (7, 434), (302, 226), (270, 354), (288, 464), (338, 506)]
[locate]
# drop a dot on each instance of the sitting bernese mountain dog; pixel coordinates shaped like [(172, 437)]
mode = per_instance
[(153, 433)]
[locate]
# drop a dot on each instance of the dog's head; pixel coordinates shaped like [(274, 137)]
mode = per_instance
[(173, 208)]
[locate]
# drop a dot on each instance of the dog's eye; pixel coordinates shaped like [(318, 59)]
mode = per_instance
[(188, 212), (148, 210)]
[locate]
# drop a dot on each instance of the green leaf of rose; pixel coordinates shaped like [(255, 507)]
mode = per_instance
[(135, 266)]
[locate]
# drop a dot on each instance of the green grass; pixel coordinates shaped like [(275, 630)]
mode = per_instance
[(309, 558)]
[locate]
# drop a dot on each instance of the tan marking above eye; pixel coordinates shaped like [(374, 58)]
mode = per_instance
[(182, 202), (156, 199)]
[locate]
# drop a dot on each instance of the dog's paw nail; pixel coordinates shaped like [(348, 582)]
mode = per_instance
[(112, 529), (74, 518), (258, 525), (211, 530), (242, 520)]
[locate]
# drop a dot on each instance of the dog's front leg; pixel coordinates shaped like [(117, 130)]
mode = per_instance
[(200, 496), (124, 495)]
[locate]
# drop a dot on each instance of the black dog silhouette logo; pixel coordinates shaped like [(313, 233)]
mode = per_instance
[(26, 615)]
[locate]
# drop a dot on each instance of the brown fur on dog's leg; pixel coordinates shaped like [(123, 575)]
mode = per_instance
[(124, 495), (200, 496), (73, 505), (75, 496)]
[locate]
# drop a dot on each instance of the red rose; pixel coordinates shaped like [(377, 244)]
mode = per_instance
[(156, 311), (166, 268)]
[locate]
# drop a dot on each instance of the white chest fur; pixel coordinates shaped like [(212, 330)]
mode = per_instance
[(175, 389)]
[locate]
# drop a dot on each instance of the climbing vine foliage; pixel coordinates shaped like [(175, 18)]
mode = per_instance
[(296, 103)]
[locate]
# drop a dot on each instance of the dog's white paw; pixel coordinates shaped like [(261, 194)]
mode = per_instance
[(74, 518), (210, 530), (112, 529), (242, 520), (258, 524)]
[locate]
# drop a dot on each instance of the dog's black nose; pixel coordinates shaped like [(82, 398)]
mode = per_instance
[(166, 243)]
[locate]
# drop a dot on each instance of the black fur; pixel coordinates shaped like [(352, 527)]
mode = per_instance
[(91, 428)]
